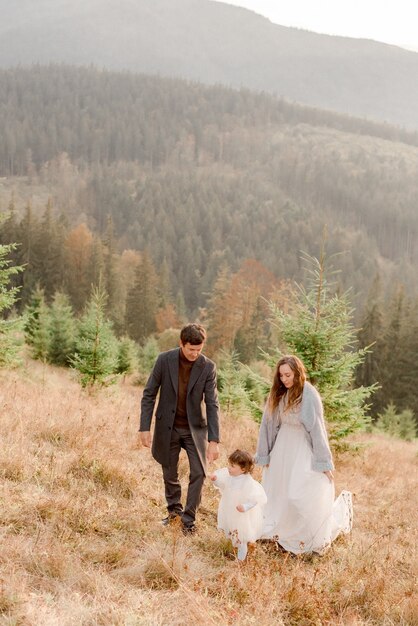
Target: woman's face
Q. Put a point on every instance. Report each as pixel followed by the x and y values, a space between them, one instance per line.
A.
pixel 287 375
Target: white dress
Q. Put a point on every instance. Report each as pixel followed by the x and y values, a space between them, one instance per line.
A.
pixel 301 513
pixel 243 489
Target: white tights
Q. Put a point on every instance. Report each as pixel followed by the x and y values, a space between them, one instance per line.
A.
pixel 242 551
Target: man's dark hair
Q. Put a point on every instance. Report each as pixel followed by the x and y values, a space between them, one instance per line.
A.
pixel 242 458
pixel 194 334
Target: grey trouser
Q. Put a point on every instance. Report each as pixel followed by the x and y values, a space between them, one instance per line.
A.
pixel 182 438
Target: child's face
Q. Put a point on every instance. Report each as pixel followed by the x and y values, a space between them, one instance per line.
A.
pixel 235 470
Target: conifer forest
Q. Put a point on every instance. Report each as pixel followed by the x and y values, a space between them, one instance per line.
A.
pixel 155 201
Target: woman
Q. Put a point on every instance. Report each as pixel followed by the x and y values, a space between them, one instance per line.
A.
pixel 298 470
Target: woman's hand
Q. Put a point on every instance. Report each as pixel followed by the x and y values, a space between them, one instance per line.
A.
pixel 240 508
pixel 329 475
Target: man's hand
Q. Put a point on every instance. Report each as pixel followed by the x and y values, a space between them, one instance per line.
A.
pixel 145 438
pixel 213 451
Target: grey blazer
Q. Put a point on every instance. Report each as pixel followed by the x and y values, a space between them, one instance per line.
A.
pixel 203 418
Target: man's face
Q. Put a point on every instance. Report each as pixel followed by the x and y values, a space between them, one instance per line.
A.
pixel 190 351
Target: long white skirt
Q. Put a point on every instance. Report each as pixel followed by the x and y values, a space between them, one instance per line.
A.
pixel 301 513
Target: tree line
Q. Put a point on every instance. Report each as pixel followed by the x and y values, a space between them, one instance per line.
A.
pixel 252 318
pixel 390 327
pixel 249 331
pixel 98 116
pixel 185 201
pixel 140 300
pixel 203 176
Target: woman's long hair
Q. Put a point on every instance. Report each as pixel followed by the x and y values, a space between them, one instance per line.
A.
pixel 278 390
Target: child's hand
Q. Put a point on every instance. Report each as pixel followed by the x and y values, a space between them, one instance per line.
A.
pixel 213 477
pixel 240 508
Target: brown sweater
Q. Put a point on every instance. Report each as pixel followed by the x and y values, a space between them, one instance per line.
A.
pixel 185 368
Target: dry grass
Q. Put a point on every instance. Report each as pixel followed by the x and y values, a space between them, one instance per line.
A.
pixel 81 542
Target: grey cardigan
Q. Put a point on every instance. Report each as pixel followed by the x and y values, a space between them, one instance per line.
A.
pixel 312 418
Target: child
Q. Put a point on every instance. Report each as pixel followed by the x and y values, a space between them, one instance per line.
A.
pixel 240 513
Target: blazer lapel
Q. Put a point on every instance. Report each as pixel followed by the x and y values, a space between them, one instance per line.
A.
pixel 195 373
pixel 173 367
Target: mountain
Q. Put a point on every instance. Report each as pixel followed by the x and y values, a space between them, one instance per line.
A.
pixel 204 176
pixel 215 43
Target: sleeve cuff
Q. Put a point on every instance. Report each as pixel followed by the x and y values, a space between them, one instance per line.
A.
pixel 248 505
pixel 262 460
pixel 322 466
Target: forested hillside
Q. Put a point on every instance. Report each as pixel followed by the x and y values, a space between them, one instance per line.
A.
pixel 186 198
pixel 214 43
pixel 204 176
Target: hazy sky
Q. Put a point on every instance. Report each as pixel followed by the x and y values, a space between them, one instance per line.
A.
pixel 390 21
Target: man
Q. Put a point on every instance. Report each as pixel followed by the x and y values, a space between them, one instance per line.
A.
pixel 184 377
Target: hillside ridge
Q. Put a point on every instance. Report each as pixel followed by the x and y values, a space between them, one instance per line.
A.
pixel 217 43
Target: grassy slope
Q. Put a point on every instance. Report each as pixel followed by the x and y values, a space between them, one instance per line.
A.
pixel 81 543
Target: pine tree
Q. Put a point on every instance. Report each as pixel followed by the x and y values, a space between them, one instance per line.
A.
pixel 110 275
pixel 62 330
pixel 142 301
pixel 96 263
pixel 391 351
pixel 388 420
pixel 10 233
pixel 164 286
pixel 406 367
pixel 9 344
pixel 370 335
pixel 252 338
pixel 221 322
pixel 407 428
pixel 28 232
pixel 49 249
pixel 9 228
pixel 232 393
pixel 147 356
pixel 78 250
pixel 396 424
pixel 180 306
pixel 127 357
pixel 41 335
pixel 35 308
pixel 241 389
pixel 319 330
pixel 95 351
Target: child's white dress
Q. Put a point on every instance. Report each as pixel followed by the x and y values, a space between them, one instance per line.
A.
pixel 243 489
